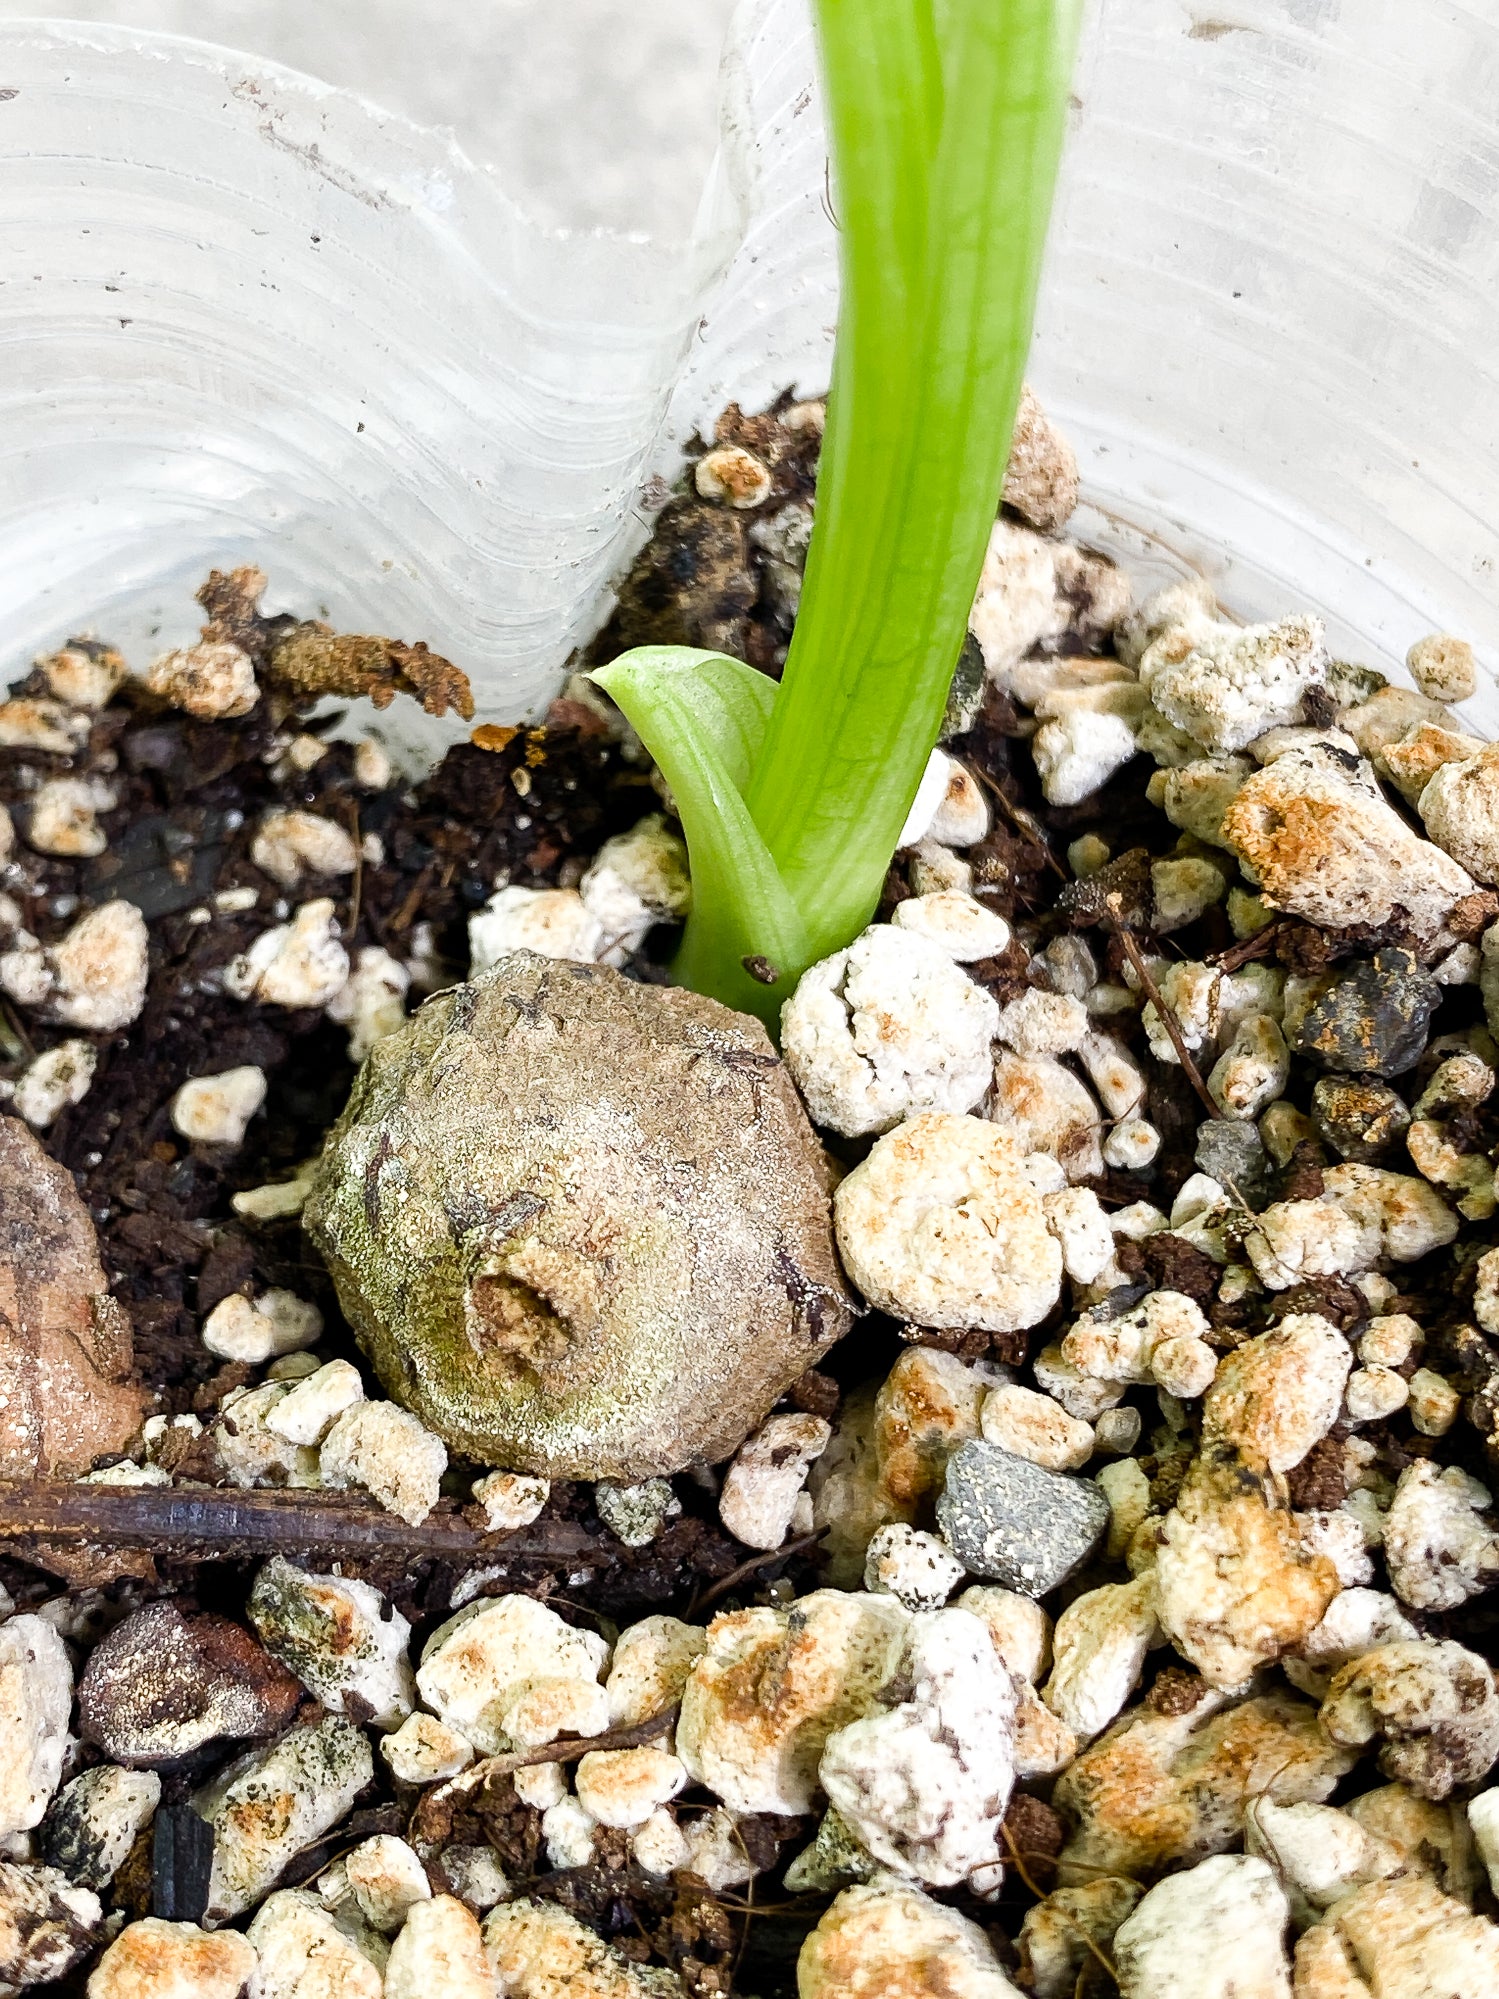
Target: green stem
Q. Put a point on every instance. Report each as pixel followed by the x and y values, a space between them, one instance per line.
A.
pixel 937 301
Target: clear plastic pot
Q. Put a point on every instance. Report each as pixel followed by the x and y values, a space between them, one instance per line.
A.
pixel 246 316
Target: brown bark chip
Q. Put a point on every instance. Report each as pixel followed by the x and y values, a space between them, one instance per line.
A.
pixel 65 1350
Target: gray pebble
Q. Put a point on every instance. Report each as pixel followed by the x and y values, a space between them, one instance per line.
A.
pixel 1009 1519
pixel 1234 1154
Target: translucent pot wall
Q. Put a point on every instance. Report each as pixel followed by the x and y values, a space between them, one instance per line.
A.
pixel 245 316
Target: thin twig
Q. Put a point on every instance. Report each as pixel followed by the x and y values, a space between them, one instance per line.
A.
pixel 357 893
pixel 570 1750
pixel 1167 1016
pixel 1251 947
pixel 735 1576
pixel 1067 1915
pixel 205 1522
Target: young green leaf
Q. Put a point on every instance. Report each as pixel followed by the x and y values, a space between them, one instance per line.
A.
pixel 704 716
pixel 946 119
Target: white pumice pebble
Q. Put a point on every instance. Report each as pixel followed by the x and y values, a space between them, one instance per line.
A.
pixel 1225 685
pixel 1138 1220
pixel 1389 1340
pixel 930 793
pixel 314 1404
pixel 387 1880
pixel 83 673
pixel 373 768
pixel 933 869
pixel 1098 1653
pixel 154 1959
pixel 1483 1817
pixel 538 1951
pixel 1034 1426
pixel 1442 667
pixel 1216 1931
pixel 1078 1221
pixel 475 1876
pixel 1042 1023
pixel 956 923
pixel 511 1499
pixel 424 1750
pixel 1295 1240
pixel 54 1082
pixel 660 1846
pixel 276 1322
pixel 373 1002
pixel 50 726
pixel 1318 1852
pixel 541 1786
pixel 389 1453
pixel 216 1110
pixel 940 1226
pixel 1113 1072
pixel 1019 1629
pixel 1184 1367
pixel 731 474
pixel 887 1940
pixel 93 978
pixel 36 1698
pixel 1182 888
pixel 1193 993
pixel 649 1669
pixel 554 922
pixel 1127 1490
pixel 962 815
pixel 1434 1402
pixel 292 845
pixel 1120 1349
pixel 1279 1393
pixel 1439 1548
pixel 568 1830
pixel 1079 751
pixel 1048 1109
pixel 250 1454
pixel 1373 1394
pixel 209 681
pixel 439 1954
pixel 1431 1702
pixel 94 1821
pixel 63 819
pixel 1131 1145
pixel 622 1787
pixel 885 1028
pixel 296 964
pixel 508 1668
pixel 924 1781
pixel 269 1804
pixel 1197 795
pixel 1357 860
pixel 300 1947
pixel 1253 1070
pixel 635 881
pixel 770 1468
pixel 1460 810
pixel 830 1664
pixel 916 1567
pixel 1085 1396
pixel 339 1636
